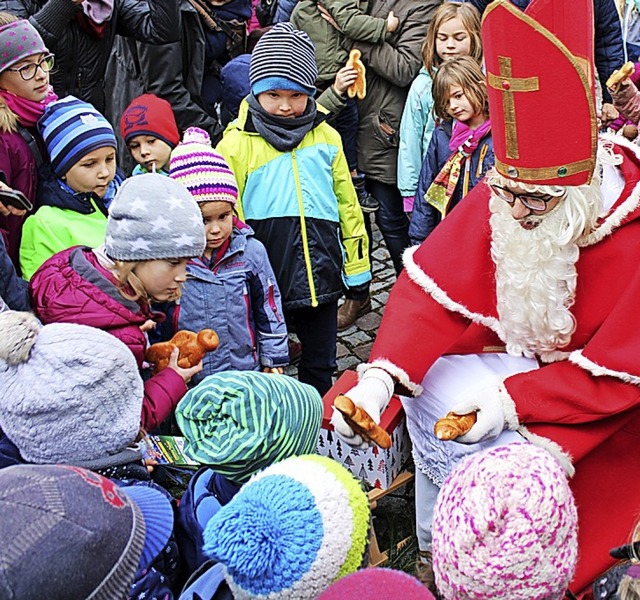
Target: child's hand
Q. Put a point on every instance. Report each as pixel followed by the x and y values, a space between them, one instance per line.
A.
pixel 186 374
pixel 150 463
pixel 148 325
pixel 344 78
pixel 608 114
pixel 392 22
pixel 273 370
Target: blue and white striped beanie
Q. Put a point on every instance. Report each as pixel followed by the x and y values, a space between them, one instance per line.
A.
pixel 72 128
pixel 291 531
pixel 240 422
pixel 284 59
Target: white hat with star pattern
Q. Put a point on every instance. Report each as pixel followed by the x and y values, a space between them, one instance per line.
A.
pixel 154 217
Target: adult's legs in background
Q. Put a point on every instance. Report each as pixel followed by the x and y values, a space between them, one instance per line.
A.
pixel 317 331
pixel 391 219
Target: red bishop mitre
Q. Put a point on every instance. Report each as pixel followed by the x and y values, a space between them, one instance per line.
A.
pixel 540 85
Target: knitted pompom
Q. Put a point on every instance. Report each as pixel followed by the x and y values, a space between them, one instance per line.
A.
pixel 291 531
pixel 505 526
pixel 19 334
pixel 195 135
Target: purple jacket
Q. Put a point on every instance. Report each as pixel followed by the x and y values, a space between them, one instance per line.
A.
pixel 71 287
pixel 20 172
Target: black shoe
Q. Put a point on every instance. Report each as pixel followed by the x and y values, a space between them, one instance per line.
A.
pixel 367 202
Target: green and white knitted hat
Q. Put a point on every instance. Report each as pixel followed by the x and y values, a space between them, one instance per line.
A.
pixel 240 422
pixel 291 531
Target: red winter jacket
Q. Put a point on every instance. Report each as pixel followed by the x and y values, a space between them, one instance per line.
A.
pixel 71 287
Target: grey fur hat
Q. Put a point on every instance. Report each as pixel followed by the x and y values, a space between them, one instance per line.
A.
pixel 154 217
pixel 68 393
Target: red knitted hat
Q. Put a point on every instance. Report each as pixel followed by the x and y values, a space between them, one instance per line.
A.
pixel 150 115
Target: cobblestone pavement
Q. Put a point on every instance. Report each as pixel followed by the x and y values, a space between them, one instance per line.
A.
pixel 354 343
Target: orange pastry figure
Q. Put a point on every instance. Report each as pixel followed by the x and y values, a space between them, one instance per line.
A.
pixel 193 346
pixel 359 86
pixel 361 422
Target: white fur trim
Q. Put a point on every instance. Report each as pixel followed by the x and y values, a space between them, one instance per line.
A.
pixel 579 359
pixel 396 372
pixel 418 276
pixel 613 220
pixel 564 458
pixel 508 408
pixel 554 356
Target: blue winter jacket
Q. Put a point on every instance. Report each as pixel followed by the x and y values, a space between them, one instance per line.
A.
pixel 608 48
pixel 425 217
pixel 416 129
pixel 239 299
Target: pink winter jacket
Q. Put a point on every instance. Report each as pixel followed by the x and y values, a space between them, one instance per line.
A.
pixel 71 287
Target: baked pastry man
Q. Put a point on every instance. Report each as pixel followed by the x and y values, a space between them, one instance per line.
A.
pixel 532 321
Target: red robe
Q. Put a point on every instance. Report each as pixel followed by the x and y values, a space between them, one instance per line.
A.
pixel 444 302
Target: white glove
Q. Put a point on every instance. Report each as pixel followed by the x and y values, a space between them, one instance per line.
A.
pixel 490 415
pixel 372 393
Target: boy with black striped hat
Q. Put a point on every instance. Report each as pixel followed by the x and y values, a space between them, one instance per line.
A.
pixel 295 191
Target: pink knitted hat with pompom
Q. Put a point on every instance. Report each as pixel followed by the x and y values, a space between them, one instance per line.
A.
pixel 204 172
pixel 505 526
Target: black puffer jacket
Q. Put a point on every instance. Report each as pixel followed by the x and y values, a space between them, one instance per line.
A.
pixel 81 55
pixel 608 49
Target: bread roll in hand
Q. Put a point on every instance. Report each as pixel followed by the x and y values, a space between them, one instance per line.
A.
pixel 192 346
pixel 453 426
pixel 617 77
pixel 361 422
pixel 359 86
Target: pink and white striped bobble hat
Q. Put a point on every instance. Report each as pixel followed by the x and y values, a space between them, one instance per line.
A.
pixel 505 526
pixel 202 170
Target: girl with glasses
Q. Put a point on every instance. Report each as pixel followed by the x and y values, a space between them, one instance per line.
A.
pixel 25 91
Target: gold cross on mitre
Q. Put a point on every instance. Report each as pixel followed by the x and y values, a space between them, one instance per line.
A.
pixel 509 85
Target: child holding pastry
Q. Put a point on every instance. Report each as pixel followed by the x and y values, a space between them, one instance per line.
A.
pixel 625 94
pixel 231 287
pixel 154 227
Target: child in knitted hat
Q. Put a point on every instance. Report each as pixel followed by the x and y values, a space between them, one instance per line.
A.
pixel 24 93
pixel 238 423
pixel 75 192
pixel 231 288
pixel 71 394
pixel 295 192
pixel 505 526
pixel 70 533
pixel 154 228
pixel 148 127
pixel 291 531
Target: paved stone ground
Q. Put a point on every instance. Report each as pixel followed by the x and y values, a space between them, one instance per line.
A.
pixel 394 514
pixel 354 343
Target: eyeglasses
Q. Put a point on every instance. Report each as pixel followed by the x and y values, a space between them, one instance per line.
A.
pixel 29 71
pixel 537 203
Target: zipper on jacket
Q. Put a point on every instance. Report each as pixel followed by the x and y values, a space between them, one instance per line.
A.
pixel 483 154
pixel 247 306
pixel 271 298
pixel 303 232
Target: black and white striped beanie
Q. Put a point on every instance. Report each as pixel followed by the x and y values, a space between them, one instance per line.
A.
pixel 284 58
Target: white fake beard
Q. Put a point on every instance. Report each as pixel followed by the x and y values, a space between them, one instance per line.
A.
pixel 535 271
